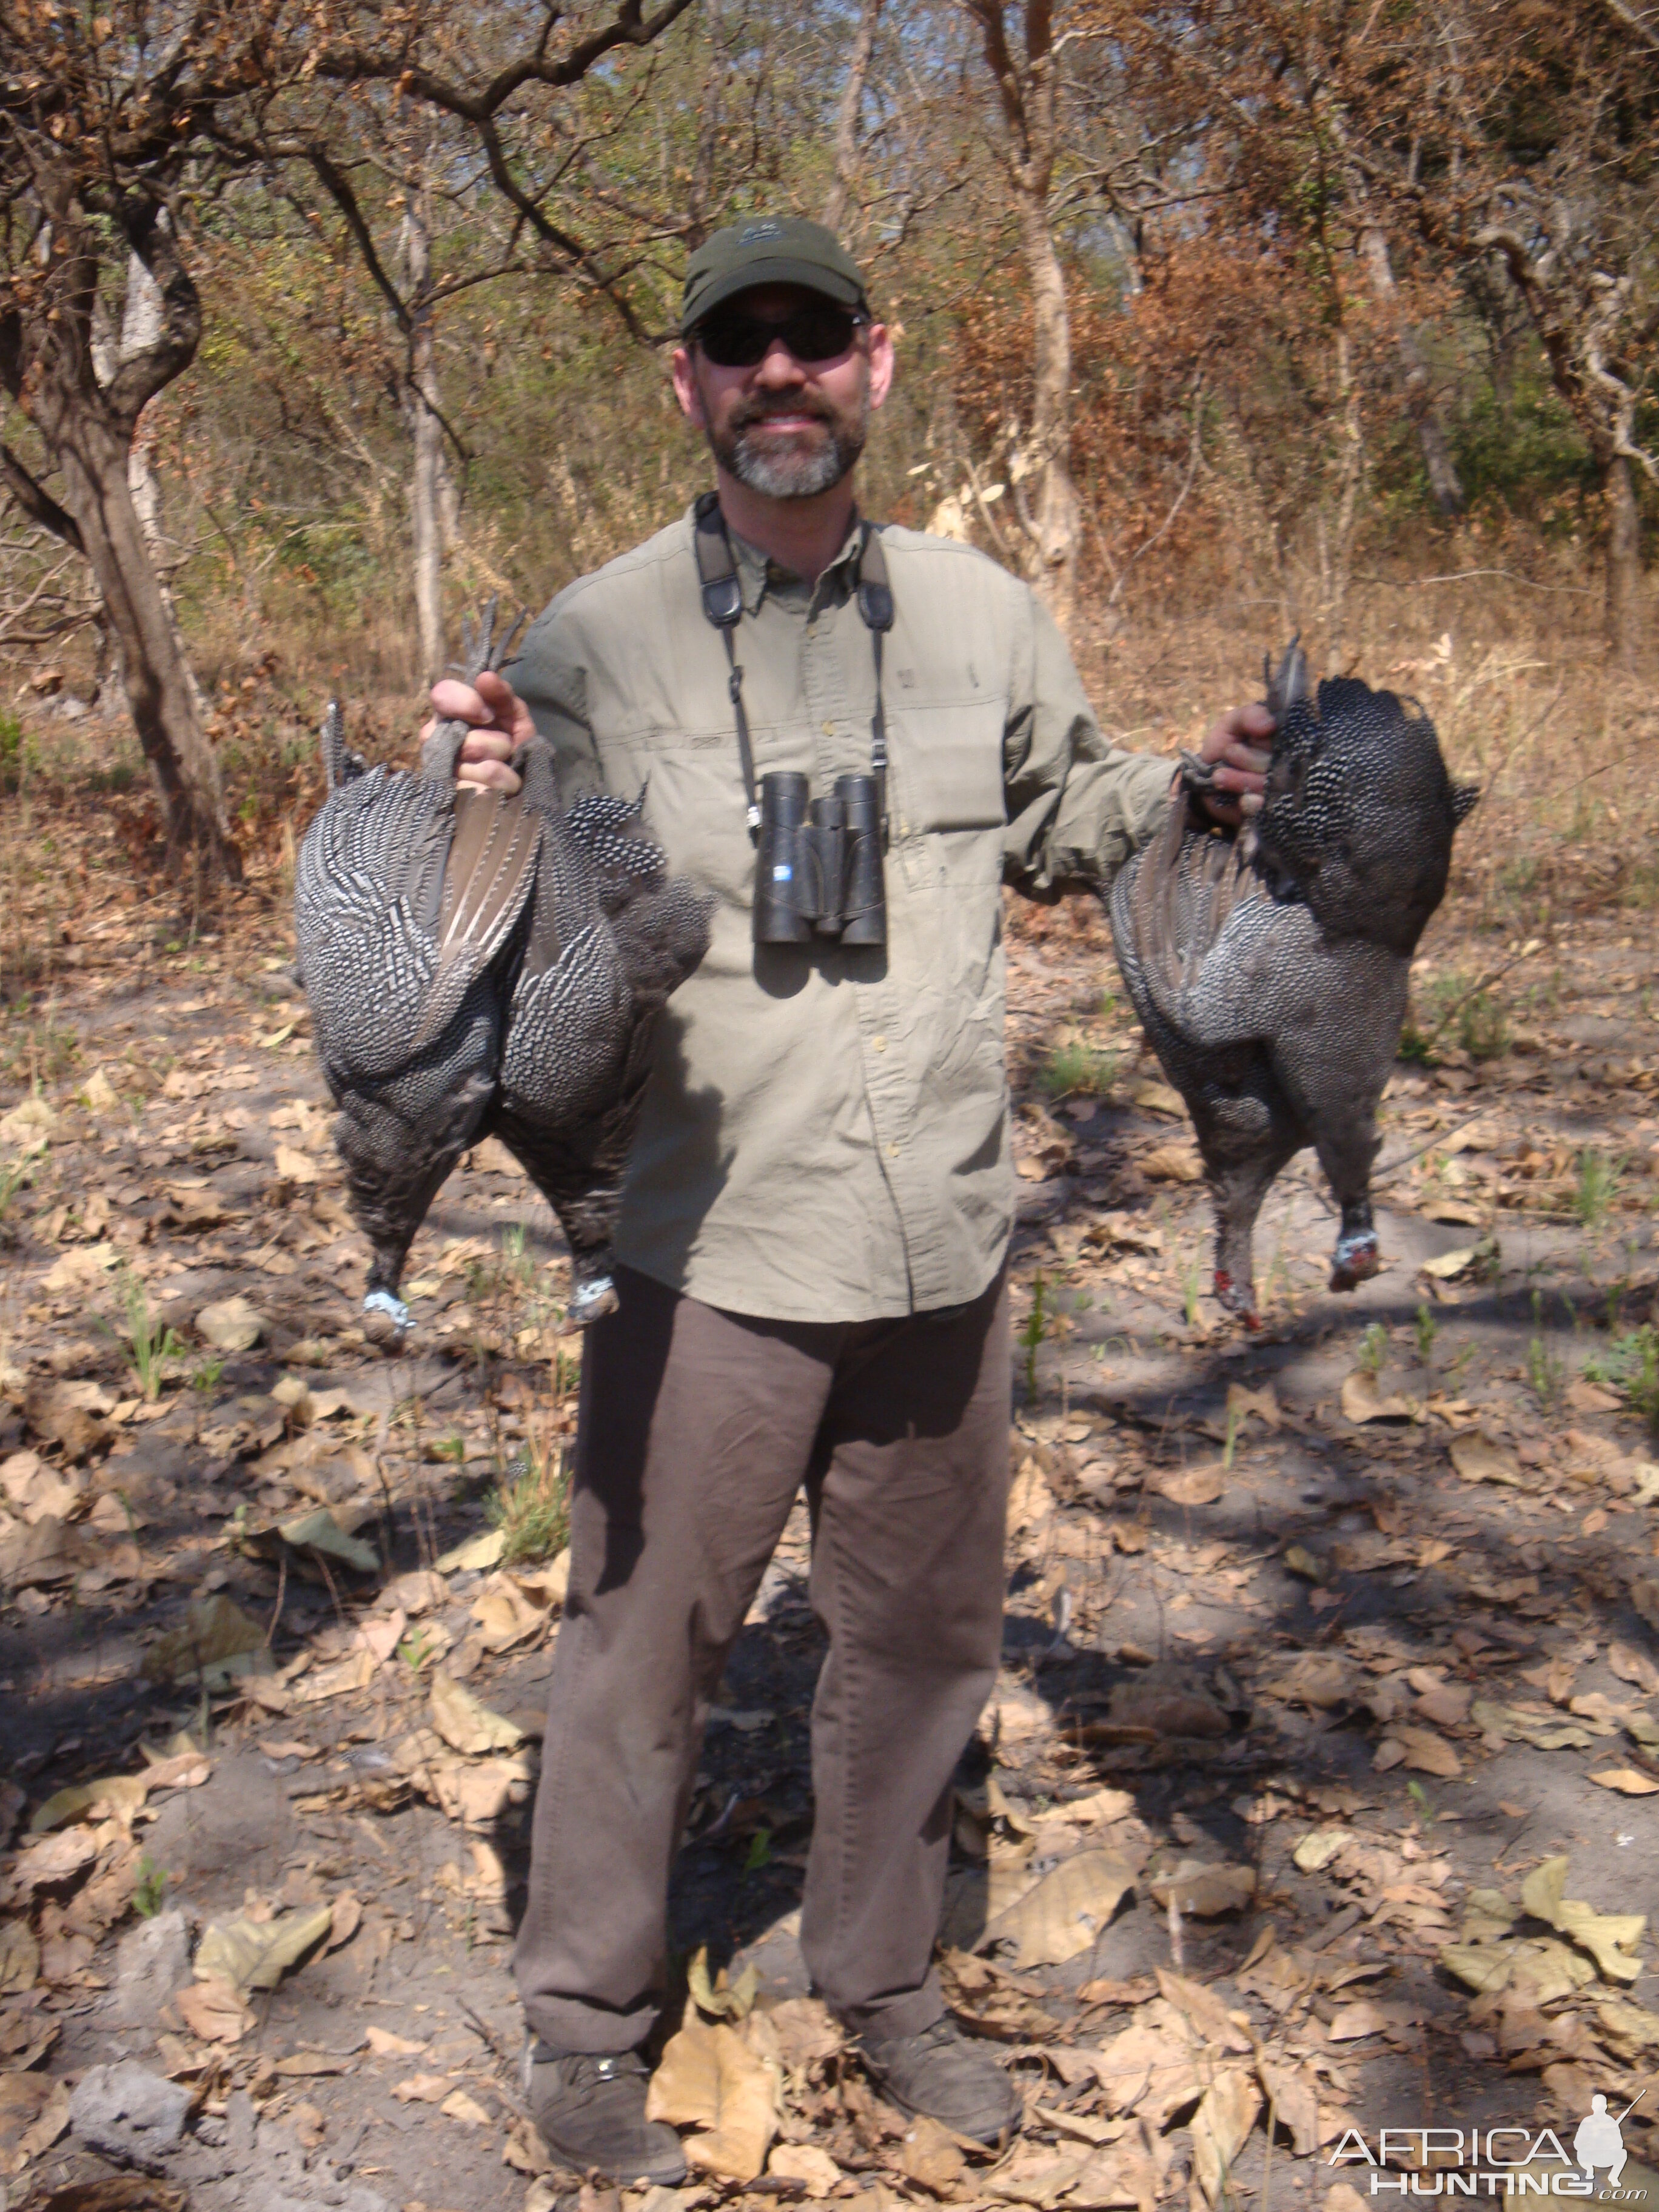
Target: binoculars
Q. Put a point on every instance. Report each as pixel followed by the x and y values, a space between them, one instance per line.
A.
pixel 819 870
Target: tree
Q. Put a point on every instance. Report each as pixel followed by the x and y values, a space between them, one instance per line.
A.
pixel 1024 68
pixel 114 124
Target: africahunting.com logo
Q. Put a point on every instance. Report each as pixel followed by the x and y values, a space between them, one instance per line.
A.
pixel 1497 2161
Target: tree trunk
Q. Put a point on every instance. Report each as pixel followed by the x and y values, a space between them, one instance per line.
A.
pixel 846 117
pixel 1049 510
pixel 1443 481
pixel 430 495
pixel 1624 560
pixel 160 691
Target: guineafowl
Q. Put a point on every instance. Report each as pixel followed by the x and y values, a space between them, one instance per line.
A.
pixel 1270 971
pixel 478 964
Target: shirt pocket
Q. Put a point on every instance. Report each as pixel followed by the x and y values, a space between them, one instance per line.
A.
pixel 952 810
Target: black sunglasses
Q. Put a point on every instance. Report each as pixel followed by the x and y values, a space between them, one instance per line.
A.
pixel 822 332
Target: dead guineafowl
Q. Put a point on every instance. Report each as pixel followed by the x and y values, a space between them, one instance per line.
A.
pixel 483 965
pixel 1270 971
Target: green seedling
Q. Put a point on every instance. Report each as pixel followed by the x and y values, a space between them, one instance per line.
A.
pixel 1036 1329
pixel 151 1349
pixel 1425 1329
pixel 1374 1349
pixel 759 1852
pixel 1597 1187
pixel 1079 1071
pixel 531 1507
pixel 149 1891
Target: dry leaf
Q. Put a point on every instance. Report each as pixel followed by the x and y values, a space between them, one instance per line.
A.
pixel 805 2162
pixel 505 1616
pixel 805 2030
pixel 1293 2102
pixel 215 1640
pixel 213 2011
pixel 1204 2012
pixel 114 1796
pixel 1626 1781
pixel 1607 1936
pixel 929 2155
pixel 1426 1751
pixel 709 2079
pixel 1204 1889
pixel 354 1673
pixel 459 2106
pixel 1065 1912
pixel 1634 1667
pixel 254 1955
pixel 465 1724
pixel 1220 2126
pixel 1147 2070
pixel 1362 1401
pixel 1319 1847
pixel 1172 1163
pixel 345 1918
pixel 20 1957
pixel 385 2045
pixel 423 2089
pixel 473 1555
pixel 1198 1486
pixel 230 1325
pixel 1477 1459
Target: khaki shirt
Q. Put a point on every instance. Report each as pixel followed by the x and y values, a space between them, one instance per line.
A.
pixel 825 1134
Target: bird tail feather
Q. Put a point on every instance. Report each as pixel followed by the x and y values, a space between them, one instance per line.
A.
pixel 490 872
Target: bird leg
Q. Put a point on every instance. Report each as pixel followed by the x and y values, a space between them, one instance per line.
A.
pixel 1348 1144
pixel 1238 1189
pixel 480 655
pixel 1356 1254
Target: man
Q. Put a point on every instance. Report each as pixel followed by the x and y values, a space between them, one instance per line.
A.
pixel 815 1225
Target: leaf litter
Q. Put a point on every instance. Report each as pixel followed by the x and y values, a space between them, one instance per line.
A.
pixel 1174 1904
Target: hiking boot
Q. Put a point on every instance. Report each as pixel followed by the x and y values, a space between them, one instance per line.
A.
pixel 941 2075
pixel 589 2108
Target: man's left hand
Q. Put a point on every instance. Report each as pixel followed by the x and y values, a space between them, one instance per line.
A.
pixel 1237 744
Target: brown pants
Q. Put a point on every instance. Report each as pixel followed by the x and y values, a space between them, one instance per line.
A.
pixel 697 1429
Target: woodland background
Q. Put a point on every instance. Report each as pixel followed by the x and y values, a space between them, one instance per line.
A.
pixel 317 323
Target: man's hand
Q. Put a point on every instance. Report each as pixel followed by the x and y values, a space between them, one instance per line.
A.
pixel 501 724
pixel 1237 744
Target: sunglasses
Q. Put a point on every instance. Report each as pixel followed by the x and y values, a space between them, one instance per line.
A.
pixel 822 332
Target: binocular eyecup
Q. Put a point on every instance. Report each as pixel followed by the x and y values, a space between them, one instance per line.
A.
pixel 818 866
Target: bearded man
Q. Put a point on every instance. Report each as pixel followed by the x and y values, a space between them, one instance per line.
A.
pixel 814 1229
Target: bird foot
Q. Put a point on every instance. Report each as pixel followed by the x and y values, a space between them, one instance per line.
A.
pixel 1354 1261
pixel 1237 1298
pixel 590 1300
pixel 386 1319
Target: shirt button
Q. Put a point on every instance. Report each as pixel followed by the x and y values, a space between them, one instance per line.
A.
pixel 829 729
pixel 892 1151
pixel 878 1044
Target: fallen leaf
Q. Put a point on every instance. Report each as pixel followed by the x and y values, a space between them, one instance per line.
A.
pixel 385 2045
pixel 213 2011
pixel 1301 1561
pixel 1147 2070
pixel 1204 2012
pixel 806 2030
pixel 505 1616
pixel 1319 1847
pixel 255 1955
pixel 1545 1732
pixel 305 2065
pixel 708 2078
pixel 1364 1400
pixel 319 1531
pixel 1155 1098
pixel 35 2111
pixel 1064 1913
pixel 19 1957
pixel 465 1724
pixel 1292 2101
pixel 230 1325
pixel 345 1918
pixel 1172 1163
pixel 1607 1936
pixel 114 1796
pixel 1426 1752
pixel 1198 1486
pixel 1262 1405
pixel 423 2089
pixel 217 1640
pixel 1477 1459
pixel 459 2106
pixel 1206 1890
pixel 1223 2120
pixel 805 2162
pixel 1447 1265
pixel 1627 1781
pixel 473 1555
pixel 353 1673
pixel 295 1167
pixel 929 2156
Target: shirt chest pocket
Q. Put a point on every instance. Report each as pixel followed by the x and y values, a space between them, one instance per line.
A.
pixel 948 766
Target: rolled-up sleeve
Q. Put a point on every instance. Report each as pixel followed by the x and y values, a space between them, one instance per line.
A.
pixel 1076 807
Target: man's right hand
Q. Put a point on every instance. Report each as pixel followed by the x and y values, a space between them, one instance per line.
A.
pixel 501 724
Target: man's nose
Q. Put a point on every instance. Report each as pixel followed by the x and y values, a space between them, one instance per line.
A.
pixel 778 367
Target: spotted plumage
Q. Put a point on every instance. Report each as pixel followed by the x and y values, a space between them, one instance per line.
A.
pixel 478 964
pixel 1270 971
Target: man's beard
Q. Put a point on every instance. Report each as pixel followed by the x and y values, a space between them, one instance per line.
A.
pixel 794 468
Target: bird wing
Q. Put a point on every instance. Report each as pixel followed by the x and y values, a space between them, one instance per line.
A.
pixel 488 877
pixel 1183 911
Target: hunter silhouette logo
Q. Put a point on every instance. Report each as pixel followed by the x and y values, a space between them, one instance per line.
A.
pixel 1600 2140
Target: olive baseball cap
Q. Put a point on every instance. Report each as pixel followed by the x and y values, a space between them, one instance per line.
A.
pixel 771 249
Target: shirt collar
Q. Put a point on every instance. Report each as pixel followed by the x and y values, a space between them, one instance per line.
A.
pixel 758 574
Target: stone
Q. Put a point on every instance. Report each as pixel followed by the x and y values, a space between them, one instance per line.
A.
pixel 129 2115
pixel 151 1961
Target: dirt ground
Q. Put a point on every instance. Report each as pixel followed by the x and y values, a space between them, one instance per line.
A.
pixel 1324 1646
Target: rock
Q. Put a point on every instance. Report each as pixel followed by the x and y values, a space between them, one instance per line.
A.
pixel 151 1961
pixel 130 2115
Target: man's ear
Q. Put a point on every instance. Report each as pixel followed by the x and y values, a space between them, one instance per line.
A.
pixel 684 369
pixel 881 362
